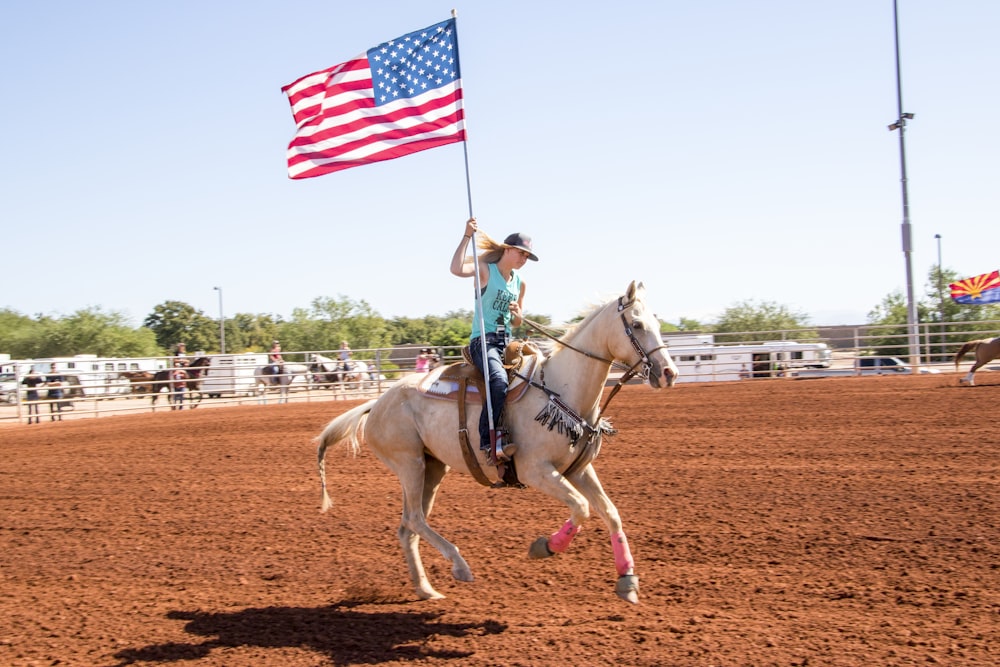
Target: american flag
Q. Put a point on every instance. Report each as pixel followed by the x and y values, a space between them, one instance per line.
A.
pixel 400 97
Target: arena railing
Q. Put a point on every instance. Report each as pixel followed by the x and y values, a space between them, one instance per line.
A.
pixel 99 387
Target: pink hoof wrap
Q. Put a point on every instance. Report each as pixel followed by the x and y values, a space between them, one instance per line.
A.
pixel 623 557
pixel 559 540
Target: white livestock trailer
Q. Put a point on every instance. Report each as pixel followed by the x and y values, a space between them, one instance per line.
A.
pixel 708 362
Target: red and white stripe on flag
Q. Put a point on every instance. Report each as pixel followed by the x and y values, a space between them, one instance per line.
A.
pixel 401 97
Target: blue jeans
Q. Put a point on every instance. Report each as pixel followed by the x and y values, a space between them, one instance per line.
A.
pixel 497 378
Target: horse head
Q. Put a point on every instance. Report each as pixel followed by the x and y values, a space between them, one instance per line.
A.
pixel 316 364
pixel 640 345
pixel 198 366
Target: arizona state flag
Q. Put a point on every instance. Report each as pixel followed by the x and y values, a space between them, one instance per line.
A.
pixel 978 289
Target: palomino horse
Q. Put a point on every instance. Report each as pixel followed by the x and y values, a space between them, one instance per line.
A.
pixel 987 349
pixel 327 372
pixel 161 380
pixel 266 378
pixel 556 424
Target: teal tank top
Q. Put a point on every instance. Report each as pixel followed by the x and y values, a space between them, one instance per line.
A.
pixel 497 296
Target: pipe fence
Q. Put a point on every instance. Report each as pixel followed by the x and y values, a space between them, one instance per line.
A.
pixel 97 387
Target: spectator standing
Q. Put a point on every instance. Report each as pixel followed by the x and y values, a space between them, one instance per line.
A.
pixel 178 385
pixel 31 381
pixel 54 384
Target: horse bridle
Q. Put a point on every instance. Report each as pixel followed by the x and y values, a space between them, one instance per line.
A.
pixel 629 372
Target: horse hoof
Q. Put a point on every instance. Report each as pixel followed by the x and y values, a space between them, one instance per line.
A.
pixel 462 573
pixel 429 594
pixel 540 548
pixel 627 588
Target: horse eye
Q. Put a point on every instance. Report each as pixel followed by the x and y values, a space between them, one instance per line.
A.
pixel 637 324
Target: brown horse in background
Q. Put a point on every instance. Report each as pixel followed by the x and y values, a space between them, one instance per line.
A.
pixel 987 349
pixel 161 379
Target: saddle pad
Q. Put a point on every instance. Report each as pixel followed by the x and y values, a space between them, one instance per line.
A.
pixel 444 382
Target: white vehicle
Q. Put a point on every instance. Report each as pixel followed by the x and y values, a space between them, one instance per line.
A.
pixel 722 363
pixel 92 376
pixel 868 365
pixel 8 387
pixel 876 365
pixel 232 375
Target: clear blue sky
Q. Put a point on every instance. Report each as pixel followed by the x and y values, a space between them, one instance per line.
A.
pixel 720 151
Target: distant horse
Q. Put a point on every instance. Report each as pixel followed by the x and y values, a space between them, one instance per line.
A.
pixel 194 370
pixel 266 378
pixel 327 372
pixel 140 382
pixel 556 424
pixel 987 349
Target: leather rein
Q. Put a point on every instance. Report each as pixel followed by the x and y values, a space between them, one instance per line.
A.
pixel 629 372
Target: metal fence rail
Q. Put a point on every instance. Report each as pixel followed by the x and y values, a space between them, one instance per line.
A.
pixel 100 387
pixel 95 387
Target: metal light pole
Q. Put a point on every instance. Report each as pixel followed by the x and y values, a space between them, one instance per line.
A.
pixel 940 278
pixel 222 324
pixel 940 297
pixel 900 124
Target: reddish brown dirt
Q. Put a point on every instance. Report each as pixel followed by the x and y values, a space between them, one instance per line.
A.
pixel 842 521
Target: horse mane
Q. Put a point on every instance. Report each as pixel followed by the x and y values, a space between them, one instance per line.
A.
pixel 548 345
pixel 571 332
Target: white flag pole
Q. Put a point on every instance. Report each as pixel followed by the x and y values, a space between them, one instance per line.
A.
pixel 494 445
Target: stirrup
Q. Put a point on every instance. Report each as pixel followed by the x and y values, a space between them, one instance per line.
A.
pixel 501 451
pixel 504 455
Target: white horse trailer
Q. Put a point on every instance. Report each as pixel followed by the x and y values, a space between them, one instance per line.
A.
pixel 723 363
pixel 232 375
pixel 92 376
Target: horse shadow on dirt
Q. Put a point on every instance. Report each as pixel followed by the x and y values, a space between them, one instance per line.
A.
pixel 343 635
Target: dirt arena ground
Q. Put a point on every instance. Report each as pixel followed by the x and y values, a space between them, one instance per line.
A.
pixel 836 521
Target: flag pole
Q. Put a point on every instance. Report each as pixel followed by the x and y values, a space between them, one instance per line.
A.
pixel 494 444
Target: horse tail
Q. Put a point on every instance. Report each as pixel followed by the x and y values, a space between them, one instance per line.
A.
pixel 967 347
pixel 345 427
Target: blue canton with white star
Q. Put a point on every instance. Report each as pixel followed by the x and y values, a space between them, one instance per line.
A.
pixel 414 63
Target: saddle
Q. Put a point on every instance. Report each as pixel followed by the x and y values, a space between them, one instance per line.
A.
pixel 462 381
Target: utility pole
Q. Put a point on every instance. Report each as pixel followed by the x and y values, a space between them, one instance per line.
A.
pixel 900 124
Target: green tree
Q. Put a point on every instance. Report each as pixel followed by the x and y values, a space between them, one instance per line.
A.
pixel 687 324
pixel 889 335
pixel 87 331
pixel 328 321
pixel 93 331
pixel 177 322
pixel 747 320
pixel 252 332
pixel 19 334
pixel 416 331
pixel 524 331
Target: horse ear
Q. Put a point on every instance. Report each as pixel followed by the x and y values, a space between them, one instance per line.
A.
pixel 630 291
